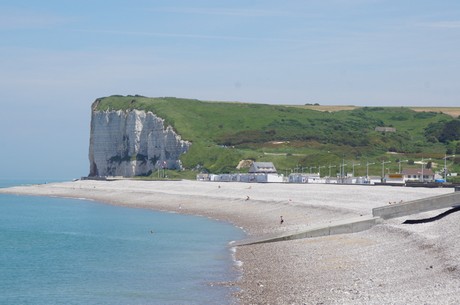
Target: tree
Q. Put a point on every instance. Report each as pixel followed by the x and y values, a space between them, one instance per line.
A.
pixel 450 132
pixel 429 164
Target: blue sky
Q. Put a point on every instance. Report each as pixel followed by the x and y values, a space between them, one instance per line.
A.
pixel 57 57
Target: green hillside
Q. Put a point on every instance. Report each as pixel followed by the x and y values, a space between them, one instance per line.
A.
pixel 295 138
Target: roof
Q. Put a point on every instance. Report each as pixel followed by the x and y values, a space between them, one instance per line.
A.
pixel 262 167
pixel 417 171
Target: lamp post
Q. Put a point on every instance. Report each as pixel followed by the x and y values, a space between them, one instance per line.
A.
pixel 353 166
pixel 383 168
pixel 367 169
pixel 421 177
pixel 399 164
pixel 319 170
pixel 342 171
pixel 330 166
pixel 423 165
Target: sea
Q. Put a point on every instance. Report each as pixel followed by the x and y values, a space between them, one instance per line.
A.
pixel 70 251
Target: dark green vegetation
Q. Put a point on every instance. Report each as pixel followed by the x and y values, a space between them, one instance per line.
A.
pixel 294 138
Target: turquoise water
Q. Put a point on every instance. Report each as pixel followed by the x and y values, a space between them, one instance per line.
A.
pixel 66 251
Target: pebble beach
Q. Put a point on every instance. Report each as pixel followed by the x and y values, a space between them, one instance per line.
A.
pixel 391 263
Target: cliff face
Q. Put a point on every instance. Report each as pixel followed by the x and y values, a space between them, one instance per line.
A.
pixel 129 143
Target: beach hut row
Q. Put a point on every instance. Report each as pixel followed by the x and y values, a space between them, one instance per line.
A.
pixel 248 178
pixel 265 172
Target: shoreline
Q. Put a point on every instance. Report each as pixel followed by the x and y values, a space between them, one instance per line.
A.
pixel 388 264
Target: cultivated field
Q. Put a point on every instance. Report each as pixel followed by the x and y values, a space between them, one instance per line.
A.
pixel 452 111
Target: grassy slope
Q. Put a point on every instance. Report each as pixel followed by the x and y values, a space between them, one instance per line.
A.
pixel 224 133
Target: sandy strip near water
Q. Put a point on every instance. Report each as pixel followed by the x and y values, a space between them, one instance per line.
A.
pixel 391 263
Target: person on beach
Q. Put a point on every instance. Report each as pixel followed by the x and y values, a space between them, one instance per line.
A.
pixel 281 220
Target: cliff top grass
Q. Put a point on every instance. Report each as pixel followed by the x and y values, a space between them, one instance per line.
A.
pixel 223 133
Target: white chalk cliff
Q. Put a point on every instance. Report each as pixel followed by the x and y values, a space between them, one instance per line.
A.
pixel 131 143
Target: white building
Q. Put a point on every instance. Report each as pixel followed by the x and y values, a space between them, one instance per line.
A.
pixel 418 174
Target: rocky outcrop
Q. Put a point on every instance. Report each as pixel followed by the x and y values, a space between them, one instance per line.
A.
pixel 133 142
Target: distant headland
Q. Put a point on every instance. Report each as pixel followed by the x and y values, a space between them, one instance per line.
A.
pixel 140 136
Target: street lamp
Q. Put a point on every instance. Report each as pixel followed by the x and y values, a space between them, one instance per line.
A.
pixel 423 163
pixel 383 168
pixel 330 166
pixel 399 163
pixel 367 169
pixel 319 170
pixel 353 166
pixel 342 170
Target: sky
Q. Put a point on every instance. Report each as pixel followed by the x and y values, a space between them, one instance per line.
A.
pixel 57 57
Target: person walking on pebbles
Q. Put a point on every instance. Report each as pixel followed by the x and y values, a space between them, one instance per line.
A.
pixel 281 220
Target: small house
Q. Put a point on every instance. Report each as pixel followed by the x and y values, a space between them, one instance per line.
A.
pixel 262 168
pixel 417 174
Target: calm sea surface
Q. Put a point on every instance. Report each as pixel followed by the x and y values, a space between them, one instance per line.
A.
pixel 65 251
